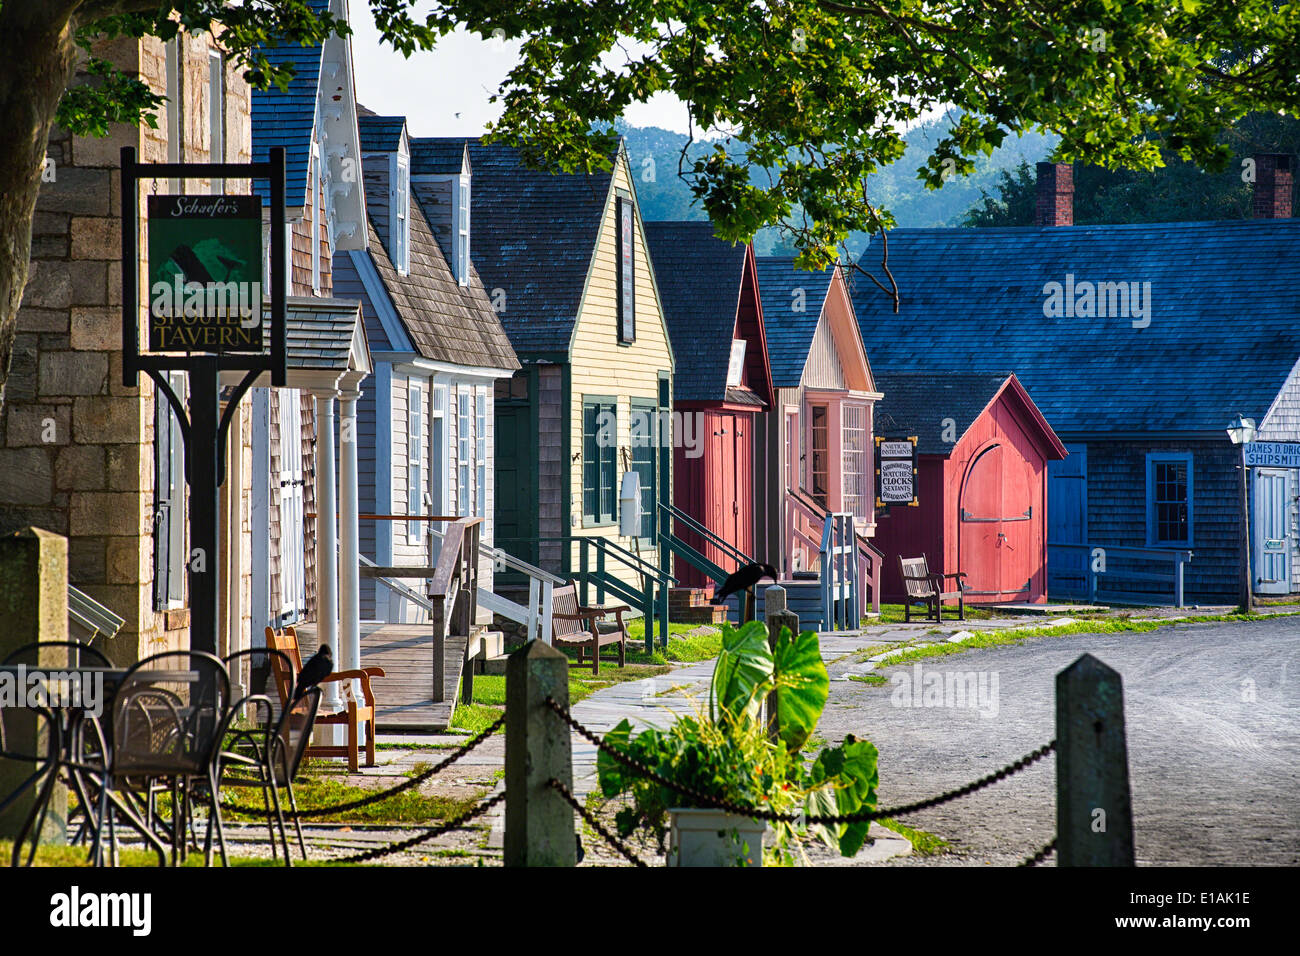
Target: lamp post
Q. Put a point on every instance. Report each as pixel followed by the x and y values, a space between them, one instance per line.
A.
pixel 1241 431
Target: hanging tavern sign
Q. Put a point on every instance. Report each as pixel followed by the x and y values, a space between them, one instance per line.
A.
pixel 205 274
pixel 896 471
pixel 203 300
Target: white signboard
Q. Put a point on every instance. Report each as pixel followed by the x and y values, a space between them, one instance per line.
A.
pixel 1272 454
pixel 896 449
pixel 736 367
pixel 896 481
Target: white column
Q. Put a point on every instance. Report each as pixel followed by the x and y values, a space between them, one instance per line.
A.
pixel 349 548
pixel 327 555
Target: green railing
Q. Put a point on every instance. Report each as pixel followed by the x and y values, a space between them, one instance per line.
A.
pixel 692 555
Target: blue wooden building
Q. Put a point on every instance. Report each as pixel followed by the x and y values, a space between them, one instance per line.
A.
pixel 1140 343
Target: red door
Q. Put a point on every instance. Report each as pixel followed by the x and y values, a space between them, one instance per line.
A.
pixel 996 526
pixel 979 525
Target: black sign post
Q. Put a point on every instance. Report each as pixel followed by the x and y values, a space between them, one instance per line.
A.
pixel 209 351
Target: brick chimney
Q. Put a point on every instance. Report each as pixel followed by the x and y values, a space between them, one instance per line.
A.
pixel 1274 184
pixel 1054 204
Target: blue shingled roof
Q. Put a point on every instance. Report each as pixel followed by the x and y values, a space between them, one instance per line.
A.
pixel 534 234
pixel 920 404
pixel 1224 318
pixel 288 120
pixel 783 289
pixel 380 134
pixel 699 278
pixel 438 157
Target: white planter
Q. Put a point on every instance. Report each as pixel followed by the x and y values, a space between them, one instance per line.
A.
pixel 714 838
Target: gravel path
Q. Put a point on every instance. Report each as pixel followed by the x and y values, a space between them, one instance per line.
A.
pixel 1213 735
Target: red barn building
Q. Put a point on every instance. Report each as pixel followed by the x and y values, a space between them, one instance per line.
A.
pixel 982 449
pixel 721 387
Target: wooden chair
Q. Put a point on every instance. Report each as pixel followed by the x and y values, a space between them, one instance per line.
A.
pixel 575 625
pixel 286 642
pixel 926 587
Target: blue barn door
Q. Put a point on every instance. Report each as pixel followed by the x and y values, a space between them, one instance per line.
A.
pixel 1067 524
pixel 1272 532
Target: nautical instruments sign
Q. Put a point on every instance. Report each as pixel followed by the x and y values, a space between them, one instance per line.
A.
pixel 896 471
pixel 205 273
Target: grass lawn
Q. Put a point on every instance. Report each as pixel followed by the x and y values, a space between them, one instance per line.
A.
pixel 893 614
pixel 686 643
pixel 62 856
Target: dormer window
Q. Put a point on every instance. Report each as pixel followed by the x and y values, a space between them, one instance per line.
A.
pixel 462 231
pixel 400 223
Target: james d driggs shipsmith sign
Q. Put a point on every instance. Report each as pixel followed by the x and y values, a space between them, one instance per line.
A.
pixel 205 273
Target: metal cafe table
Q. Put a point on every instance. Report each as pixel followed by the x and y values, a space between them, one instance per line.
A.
pixel 66 741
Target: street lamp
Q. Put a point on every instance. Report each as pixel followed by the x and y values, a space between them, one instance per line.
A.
pixel 1241 431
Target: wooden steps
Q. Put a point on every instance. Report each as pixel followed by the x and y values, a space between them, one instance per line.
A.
pixel 691 606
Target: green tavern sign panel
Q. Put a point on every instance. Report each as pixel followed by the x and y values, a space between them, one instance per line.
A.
pixel 205 273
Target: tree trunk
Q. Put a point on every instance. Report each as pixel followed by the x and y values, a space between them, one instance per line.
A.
pixel 37 58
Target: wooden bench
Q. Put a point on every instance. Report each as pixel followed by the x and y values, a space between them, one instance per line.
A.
pixel 926 587
pixel 578 626
pixel 286 642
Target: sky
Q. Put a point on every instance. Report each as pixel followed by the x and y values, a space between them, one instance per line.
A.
pixel 445 92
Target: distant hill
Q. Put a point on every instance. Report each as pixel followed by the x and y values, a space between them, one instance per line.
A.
pixel 655 152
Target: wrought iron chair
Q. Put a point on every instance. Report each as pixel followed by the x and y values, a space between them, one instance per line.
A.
pixel 74 741
pixel 269 754
pixel 170 715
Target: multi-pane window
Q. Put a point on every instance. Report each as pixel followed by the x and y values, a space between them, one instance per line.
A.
pixel 169 500
pixel 401 206
pixel 462 232
pixel 216 114
pixel 414 457
pixel 599 464
pixel 438 450
pixel 644 422
pixel 480 450
pixel 626 272
pixel 1169 499
pixel 856 499
pixel 819 425
pixel 463 436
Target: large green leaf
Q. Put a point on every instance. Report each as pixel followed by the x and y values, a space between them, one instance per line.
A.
pixel 743 673
pixel 802 686
pixel 849 772
pixel 609 771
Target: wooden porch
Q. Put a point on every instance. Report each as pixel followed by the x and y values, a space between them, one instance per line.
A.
pixel 404 698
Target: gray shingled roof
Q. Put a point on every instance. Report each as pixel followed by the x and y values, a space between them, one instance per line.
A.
pixel 533 237
pixel 318 333
pixel 699 278
pixel 447 322
pixel 918 403
pixel 438 157
pixel 380 134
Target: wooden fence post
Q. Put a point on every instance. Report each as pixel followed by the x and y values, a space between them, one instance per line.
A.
pixel 777 616
pixel 1094 811
pixel 33 607
pixel 539 821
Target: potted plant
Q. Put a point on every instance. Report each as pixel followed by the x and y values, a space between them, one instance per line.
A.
pixel 725 751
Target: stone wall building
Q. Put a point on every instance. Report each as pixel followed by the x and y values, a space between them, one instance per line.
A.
pixel 77 448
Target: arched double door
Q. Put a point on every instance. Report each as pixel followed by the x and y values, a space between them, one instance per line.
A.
pixel 997 529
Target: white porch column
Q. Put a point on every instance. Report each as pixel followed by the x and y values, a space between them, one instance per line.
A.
pixel 327 556
pixel 349 542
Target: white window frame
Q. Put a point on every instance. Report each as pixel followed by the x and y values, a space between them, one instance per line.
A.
pixel 414 458
pixel 317 181
pixel 462 231
pixel 217 114
pixel 463 435
pixel 293 593
pixel 400 214
pixel 480 451
pixel 438 449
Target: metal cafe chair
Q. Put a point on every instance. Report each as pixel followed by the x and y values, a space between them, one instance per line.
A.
pixel 269 754
pixel 74 743
pixel 170 714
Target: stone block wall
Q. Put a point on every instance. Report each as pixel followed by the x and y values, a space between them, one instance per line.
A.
pixel 76 446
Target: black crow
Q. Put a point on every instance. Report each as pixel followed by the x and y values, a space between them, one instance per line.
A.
pixel 743 580
pixel 317 668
